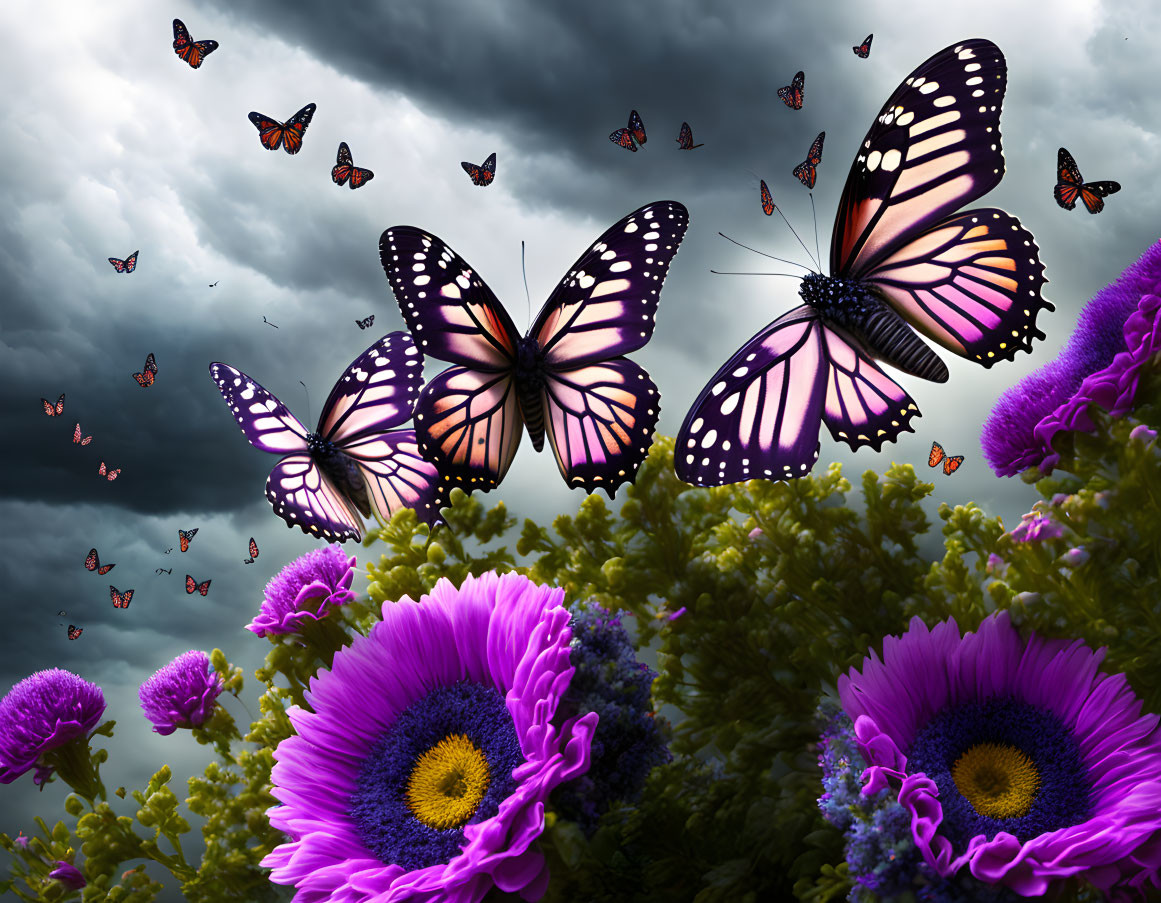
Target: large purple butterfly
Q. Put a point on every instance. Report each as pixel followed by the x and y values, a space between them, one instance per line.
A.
pixel 567 378
pixel 901 257
pixel 353 463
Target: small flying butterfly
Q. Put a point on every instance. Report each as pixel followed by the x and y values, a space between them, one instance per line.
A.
pixel 192 585
pixel 864 49
pixel 75 632
pixel 685 138
pixel 120 600
pixel 483 174
pixel 149 371
pixel 128 265
pixel 1070 185
pixel 366 322
pixel 937 454
pixel 629 138
pixel 77 440
pixel 805 171
pixel 93 563
pixel 253 552
pixel 110 475
pixel 184 537
pixel 794 93
pixel 51 409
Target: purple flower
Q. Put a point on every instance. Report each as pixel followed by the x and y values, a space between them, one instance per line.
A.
pixel 1035 527
pixel 68 875
pixel 308 587
pixel 182 694
pixel 995 564
pixel 1116 335
pixel 44 711
pixel 423 770
pixel 1017 760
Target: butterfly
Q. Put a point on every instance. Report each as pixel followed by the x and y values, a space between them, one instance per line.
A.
pixel 51 409
pixel 767 200
pixel 366 322
pixel 481 175
pixel 145 378
pixel 128 265
pixel 1070 185
pixel 950 464
pixel 75 632
pixel 634 133
pixel 253 552
pixel 184 537
pixel 287 135
pixel 120 600
pixel 193 52
pixel 795 92
pixel 111 475
pixel 901 259
pixel 345 169
pixel 864 49
pixel 567 378
pixel 805 171
pixel 93 563
pixel 77 440
pixel 685 138
pixel 192 586
pixel 353 463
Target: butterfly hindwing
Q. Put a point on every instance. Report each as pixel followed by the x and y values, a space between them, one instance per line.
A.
pixel 301 495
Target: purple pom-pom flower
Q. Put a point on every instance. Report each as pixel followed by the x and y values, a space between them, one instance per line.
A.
pixel 68 875
pixel 44 712
pixel 182 694
pixel 306 589
pixel 1017 760
pixel 423 769
pixel 1116 337
pixel 1036 527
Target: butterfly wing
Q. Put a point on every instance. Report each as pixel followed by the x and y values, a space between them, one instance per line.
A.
pixel 295 128
pixel 1092 192
pixel 951 465
pixel 253 548
pixel 793 94
pixel 75 632
pixel 270 131
pixel 605 305
pixel 1068 180
pixel 971 283
pixel 454 314
pixel 204 588
pixel 685 137
pixel 131 262
pixel 264 420
pixel 488 170
pixel 759 416
pixel 767 200
pixel 396 474
pixel 599 419
pixel 805 171
pixel 637 127
pixel 623 138
pixel 360 177
pixel 468 423
pixel 935 455
pixel 864 49
pixel 118 264
pixel 91 560
pixel 303 496
pixel 341 171
pixel 112 475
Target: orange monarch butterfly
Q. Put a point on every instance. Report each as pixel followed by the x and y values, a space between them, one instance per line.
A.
pixel 184 537
pixel 287 135
pixel 51 409
pixel 1070 185
pixel 111 475
pixel 120 600
pixel 483 174
pixel 345 169
pixel 128 265
pixel 634 133
pixel 685 138
pixel 804 171
pixel 77 440
pixel 253 552
pixel 767 200
pixel 192 585
pixel 75 632
pixel 795 92
pixel 149 371
pixel 193 52
pixel 863 50
pixel 93 563
pixel 937 454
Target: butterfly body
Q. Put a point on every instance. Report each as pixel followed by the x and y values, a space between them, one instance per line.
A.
pixel 903 263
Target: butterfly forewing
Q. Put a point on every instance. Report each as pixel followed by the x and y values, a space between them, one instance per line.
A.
pixel 767 200
pixel 972 283
pixel 597 417
pixel 606 304
pixel 376 392
pixel 934 147
pixel 265 421
pixel 451 311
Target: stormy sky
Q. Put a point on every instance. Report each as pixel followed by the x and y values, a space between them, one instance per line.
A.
pixel 109 143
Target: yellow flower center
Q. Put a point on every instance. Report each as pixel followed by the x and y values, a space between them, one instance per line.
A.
pixel 448 783
pixel 999 781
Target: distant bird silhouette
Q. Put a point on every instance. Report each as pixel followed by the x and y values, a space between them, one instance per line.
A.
pixel 212 284
pixel 267 322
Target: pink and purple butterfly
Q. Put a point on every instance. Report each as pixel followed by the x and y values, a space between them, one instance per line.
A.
pixel 353 464
pixel 567 378
pixel 901 259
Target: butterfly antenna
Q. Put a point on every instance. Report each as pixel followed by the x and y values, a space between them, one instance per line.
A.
pixel 309 419
pixel 814 216
pixel 795 234
pixel 763 253
pixel 728 273
pixel 527 297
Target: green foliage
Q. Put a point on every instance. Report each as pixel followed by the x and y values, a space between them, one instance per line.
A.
pixel 784 586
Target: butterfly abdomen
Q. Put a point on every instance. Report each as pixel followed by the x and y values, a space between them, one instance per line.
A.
pixel 529 384
pixel 857 309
